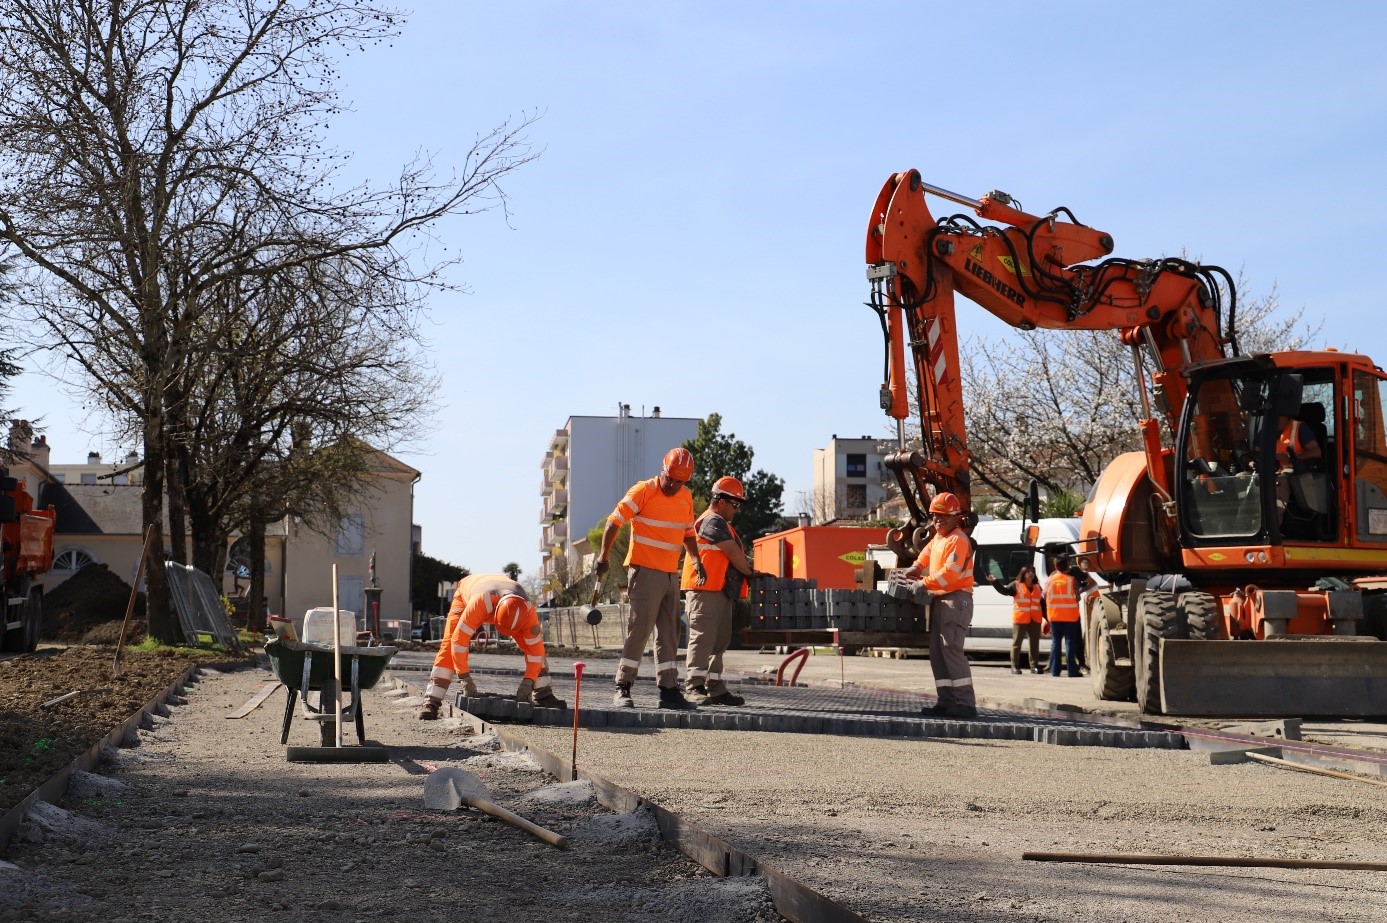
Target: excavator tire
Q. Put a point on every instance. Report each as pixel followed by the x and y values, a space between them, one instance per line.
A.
pixel 1200 612
pixel 1112 682
pixel 1158 616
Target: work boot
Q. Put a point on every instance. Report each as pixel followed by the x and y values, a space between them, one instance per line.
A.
pixel 725 697
pixel 430 710
pixel 936 710
pixel 674 699
pixel 622 699
pixel 1016 670
pixel 696 694
pixel 545 698
pixel 960 711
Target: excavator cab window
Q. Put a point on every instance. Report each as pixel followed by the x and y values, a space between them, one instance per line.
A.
pixel 1221 490
pixel 1369 456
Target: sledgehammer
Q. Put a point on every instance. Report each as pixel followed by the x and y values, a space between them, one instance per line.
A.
pixel 594 614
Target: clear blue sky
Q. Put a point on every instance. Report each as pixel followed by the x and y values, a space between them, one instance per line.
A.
pixel 692 236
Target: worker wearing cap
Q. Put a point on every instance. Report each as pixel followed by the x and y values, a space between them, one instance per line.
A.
pixel 661 513
pixel 489 599
pixel 945 569
pixel 710 601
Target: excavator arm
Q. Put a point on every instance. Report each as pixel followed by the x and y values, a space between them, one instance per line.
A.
pixel 1032 272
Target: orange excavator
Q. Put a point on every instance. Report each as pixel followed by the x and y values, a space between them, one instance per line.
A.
pixel 1245 546
pixel 26 554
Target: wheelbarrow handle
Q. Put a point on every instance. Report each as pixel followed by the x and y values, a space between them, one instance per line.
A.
pixel 515 820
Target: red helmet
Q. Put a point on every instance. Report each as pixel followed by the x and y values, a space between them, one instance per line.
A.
pixel 947 504
pixel 728 487
pixel 679 464
pixel 511 612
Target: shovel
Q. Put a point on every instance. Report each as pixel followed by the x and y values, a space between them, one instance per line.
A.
pixel 450 788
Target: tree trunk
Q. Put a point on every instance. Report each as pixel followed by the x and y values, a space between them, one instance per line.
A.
pixel 178 506
pixel 256 599
pixel 163 625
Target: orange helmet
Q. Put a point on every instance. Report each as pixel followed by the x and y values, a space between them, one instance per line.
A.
pixel 947 504
pixel 728 486
pixel 679 464
pixel 511 612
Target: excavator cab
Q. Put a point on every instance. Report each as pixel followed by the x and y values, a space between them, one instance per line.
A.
pixel 1256 457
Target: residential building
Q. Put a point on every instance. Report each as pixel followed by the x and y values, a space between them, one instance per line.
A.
pixel 99 520
pixel 847 479
pixel 590 464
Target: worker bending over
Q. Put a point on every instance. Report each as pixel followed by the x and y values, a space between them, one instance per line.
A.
pixel 497 600
pixel 945 569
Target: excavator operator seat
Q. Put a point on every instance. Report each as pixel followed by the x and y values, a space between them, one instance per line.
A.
pixel 1313 416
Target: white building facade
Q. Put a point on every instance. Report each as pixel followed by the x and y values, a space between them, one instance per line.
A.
pixel 590 464
pixel 847 479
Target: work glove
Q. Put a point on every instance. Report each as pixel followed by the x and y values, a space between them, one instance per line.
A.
pixel 526 692
pixel 469 686
pixel 602 568
pixel 700 573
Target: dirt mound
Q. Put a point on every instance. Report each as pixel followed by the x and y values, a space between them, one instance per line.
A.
pixel 90 598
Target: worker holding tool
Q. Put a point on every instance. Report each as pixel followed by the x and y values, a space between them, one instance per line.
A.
pixel 711 601
pixel 498 600
pixel 945 569
pixel 661 513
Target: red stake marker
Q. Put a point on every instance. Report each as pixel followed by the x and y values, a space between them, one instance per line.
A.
pixel 578 668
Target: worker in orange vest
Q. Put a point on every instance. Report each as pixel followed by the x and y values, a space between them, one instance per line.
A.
pixel 661 513
pixel 945 569
pixel 477 601
pixel 711 601
pixel 1028 599
pixel 1063 589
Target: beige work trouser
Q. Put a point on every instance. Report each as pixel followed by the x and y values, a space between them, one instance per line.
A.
pixel 710 633
pixel 654 599
pixel 949 618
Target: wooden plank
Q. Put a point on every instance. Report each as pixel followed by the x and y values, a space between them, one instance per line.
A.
pixel 256 701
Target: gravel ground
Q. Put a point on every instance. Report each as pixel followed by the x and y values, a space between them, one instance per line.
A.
pixel 206 820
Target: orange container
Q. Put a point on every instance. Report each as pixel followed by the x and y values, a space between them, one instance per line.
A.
pixel 832 555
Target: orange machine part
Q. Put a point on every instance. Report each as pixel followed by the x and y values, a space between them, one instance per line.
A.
pixel 831 555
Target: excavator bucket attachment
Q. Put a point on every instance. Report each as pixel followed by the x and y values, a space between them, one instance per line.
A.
pixel 1341 677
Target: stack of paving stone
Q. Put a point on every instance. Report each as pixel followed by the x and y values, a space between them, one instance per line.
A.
pixel 787 604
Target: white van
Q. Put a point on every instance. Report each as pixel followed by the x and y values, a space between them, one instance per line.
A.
pixel 1000 545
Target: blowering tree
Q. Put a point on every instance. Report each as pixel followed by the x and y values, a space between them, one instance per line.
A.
pixel 151 150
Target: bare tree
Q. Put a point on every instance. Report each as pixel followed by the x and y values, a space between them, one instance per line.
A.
pixel 155 149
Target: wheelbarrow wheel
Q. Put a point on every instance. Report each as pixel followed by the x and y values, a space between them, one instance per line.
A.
pixel 360 722
pixel 327 704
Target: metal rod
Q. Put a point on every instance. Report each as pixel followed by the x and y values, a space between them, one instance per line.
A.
pixel 951 196
pixel 1236 861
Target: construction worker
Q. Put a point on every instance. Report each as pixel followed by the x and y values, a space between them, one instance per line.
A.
pixel 710 602
pixel 945 569
pixel 661 513
pixel 1062 591
pixel 478 601
pixel 1027 607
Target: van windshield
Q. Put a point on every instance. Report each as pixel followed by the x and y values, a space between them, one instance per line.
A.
pixel 1000 561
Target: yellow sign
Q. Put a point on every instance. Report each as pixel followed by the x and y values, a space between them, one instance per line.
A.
pixel 976 254
pixel 1010 265
pixel 855 558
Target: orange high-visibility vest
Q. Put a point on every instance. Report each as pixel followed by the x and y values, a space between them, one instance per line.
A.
pixel 1062 598
pixel 481 610
pixel 950 562
pixel 1289 441
pixel 715 564
pixel 659 525
pixel 1025 607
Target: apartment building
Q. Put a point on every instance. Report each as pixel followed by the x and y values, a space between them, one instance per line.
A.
pixel 590 464
pixel 847 479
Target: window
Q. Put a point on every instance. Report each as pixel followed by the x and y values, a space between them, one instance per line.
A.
pixel 88 477
pixel 855 496
pixel 1000 561
pixel 71 560
pixel 856 467
pixel 351 536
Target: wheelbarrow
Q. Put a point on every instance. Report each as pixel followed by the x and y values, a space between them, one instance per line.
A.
pixel 304 667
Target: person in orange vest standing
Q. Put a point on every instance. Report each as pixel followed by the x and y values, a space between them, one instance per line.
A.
pixel 1027 599
pixel 1062 591
pixel 477 601
pixel 661 514
pixel 711 601
pixel 945 569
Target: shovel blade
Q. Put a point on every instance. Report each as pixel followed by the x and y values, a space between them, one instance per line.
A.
pixel 448 789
